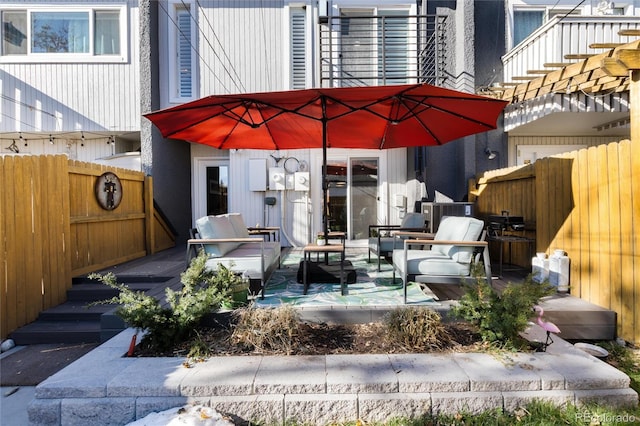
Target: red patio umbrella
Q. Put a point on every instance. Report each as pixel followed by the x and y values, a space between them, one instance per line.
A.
pixel 373 117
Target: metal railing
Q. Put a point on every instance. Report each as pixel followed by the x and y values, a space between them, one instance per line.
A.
pixel 357 50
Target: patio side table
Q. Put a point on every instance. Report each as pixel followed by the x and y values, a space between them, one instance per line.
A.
pixel 326 249
pixel 510 239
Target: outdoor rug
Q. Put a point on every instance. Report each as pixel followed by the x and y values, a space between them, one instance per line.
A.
pixel 372 288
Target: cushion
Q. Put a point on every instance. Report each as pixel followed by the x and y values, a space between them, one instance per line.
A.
pixel 237 222
pixel 216 227
pixel 458 228
pixel 429 262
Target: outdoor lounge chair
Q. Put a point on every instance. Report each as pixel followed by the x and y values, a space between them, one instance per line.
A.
pixel 447 258
pixel 226 241
pixel 384 243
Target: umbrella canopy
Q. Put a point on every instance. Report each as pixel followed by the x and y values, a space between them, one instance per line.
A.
pixel 371 117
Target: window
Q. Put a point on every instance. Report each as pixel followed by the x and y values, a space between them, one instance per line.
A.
pixel 70 35
pixel 182 66
pixel 298 49
pixel 525 22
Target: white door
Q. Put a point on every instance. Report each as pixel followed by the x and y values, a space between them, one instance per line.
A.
pixel 210 187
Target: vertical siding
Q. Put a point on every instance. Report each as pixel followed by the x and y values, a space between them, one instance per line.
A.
pixel 515 141
pixel 587 203
pixel 241 43
pixel 572 35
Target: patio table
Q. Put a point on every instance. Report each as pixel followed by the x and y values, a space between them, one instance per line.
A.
pixel 510 239
pixel 326 249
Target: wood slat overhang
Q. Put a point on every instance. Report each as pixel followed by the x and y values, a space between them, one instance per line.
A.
pixel 607 71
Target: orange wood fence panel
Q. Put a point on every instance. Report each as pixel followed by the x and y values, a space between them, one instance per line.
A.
pixel 586 203
pixel 52 228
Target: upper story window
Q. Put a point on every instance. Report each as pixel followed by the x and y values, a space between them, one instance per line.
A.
pixel 527 20
pixel 87 34
pixel 182 57
pixel 298 48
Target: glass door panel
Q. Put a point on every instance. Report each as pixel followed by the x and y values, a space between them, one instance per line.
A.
pixel 337 181
pixel 352 196
pixel 217 194
pixel 364 196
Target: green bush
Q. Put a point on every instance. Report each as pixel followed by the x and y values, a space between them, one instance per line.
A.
pixel 501 317
pixel 416 328
pixel 202 292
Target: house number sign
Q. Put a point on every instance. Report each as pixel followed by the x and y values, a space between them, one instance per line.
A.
pixel 108 191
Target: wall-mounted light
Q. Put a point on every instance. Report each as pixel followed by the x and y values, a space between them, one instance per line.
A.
pixel 51 139
pixel 490 154
pixel 81 138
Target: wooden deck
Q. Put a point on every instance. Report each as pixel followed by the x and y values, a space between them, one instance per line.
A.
pixel 578 319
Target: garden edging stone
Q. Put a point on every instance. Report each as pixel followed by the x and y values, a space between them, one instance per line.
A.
pixel 106 388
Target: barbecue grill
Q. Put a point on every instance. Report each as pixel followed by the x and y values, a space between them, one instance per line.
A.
pixel 503 222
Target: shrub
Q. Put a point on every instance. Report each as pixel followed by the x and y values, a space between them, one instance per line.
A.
pixel 266 329
pixel 416 328
pixel 202 292
pixel 502 317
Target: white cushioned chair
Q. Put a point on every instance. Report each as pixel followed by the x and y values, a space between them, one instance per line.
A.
pixel 446 258
pixel 383 244
pixel 226 240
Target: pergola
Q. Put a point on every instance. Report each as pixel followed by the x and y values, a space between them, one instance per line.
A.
pixel 617 69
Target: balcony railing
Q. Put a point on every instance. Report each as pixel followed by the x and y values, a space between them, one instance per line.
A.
pixel 553 42
pixel 380 50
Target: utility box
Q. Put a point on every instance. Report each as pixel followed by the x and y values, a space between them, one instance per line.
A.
pixel 258 174
pixel 276 179
pixel 301 181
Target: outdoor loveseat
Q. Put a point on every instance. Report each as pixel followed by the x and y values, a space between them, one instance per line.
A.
pixel 226 241
pixel 447 258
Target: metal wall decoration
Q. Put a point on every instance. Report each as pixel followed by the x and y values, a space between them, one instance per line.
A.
pixel 108 191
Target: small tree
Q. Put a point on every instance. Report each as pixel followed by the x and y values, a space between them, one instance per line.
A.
pixel 500 317
pixel 203 291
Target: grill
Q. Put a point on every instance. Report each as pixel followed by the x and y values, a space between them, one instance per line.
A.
pixel 503 222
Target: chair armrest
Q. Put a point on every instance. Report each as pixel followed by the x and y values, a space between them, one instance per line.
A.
pixel 263 228
pixel 446 243
pixel 414 234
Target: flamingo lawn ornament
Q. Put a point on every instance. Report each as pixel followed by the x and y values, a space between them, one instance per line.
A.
pixel 549 327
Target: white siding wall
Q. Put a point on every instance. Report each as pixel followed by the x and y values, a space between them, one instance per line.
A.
pixel 515 141
pixel 253 57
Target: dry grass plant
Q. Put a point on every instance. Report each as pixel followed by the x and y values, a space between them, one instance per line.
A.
pixel 265 330
pixel 417 328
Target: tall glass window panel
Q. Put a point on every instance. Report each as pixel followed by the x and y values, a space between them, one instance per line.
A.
pixel 14 33
pixel 525 22
pixel 107 33
pixel 60 32
pixel 185 67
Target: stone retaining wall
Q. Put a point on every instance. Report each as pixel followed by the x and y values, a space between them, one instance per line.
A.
pixel 105 388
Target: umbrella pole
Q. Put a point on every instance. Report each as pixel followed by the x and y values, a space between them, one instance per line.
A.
pixel 325 186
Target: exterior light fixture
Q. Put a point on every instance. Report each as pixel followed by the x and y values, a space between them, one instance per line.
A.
pixel 490 154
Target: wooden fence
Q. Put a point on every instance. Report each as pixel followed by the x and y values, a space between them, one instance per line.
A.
pixel 587 203
pixel 52 229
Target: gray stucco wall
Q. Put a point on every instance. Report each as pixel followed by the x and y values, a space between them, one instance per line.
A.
pixel 167 161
